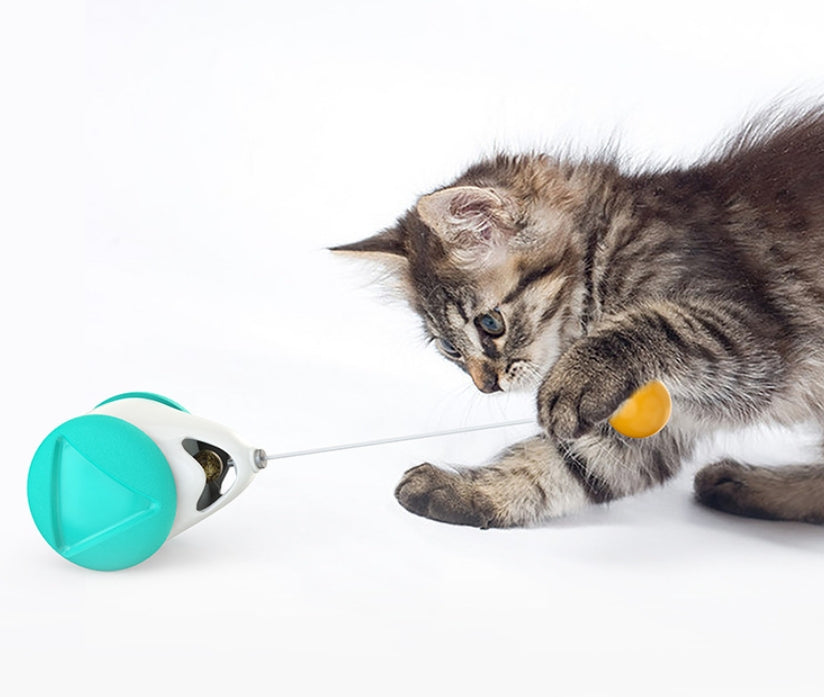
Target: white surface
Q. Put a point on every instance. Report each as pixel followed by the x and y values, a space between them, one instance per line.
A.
pixel 171 174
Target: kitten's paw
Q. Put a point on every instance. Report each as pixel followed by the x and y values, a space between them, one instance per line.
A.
pixel 728 486
pixel 444 496
pixel 570 405
pixel 584 388
pixel 559 410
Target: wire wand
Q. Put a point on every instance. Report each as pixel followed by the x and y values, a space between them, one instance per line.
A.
pixel 261 458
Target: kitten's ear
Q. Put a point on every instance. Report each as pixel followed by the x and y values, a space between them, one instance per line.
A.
pixel 387 242
pixel 472 222
pixel 385 253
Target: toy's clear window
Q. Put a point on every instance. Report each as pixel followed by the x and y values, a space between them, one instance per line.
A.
pixel 217 465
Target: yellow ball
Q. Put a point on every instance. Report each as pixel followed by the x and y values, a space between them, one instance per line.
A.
pixel 645 413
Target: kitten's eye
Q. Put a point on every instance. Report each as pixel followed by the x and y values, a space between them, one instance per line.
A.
pixel 491 323
pixel 448 348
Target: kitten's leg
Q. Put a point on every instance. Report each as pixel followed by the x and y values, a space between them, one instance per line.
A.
pixel 776 493
pixel 721 362
pixel 539 479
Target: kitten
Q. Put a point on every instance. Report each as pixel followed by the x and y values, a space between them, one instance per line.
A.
pixel 584 283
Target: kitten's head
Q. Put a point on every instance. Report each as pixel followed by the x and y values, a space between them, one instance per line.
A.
pixel 492 266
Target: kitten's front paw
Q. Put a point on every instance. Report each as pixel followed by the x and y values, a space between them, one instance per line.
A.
pixel 582 390
pixel 444 496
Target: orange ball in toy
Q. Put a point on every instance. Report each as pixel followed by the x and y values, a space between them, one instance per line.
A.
pixel 645 413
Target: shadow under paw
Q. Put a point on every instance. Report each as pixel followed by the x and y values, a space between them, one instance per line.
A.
pixel 434 493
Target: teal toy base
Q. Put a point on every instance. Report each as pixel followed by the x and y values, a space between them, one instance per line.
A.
pixel 102 493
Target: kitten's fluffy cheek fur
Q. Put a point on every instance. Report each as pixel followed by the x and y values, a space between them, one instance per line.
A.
pixel 521 377
pixel 526 375
pixel 545 352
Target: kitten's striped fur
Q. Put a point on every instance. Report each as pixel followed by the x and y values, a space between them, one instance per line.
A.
pixel 709 278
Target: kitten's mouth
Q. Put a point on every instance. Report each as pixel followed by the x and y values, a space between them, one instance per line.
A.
pixel 489 389
pixel 520 375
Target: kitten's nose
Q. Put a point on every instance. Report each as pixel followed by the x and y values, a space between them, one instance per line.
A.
pixel 484 376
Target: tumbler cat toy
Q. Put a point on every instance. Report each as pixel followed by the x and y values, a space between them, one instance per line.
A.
pixel 107 489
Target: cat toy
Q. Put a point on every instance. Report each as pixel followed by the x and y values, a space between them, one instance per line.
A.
pixel 108 488
pixel 645 413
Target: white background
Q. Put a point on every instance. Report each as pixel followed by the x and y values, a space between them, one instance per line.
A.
pixel 171 175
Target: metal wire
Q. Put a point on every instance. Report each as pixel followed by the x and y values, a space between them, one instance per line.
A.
pixel 397 439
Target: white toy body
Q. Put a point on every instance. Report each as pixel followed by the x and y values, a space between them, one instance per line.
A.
pixel 169 428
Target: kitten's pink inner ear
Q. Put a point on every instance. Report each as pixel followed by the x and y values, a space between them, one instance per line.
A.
pixel 465 215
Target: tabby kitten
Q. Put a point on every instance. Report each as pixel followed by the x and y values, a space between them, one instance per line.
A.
pixel 585 283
